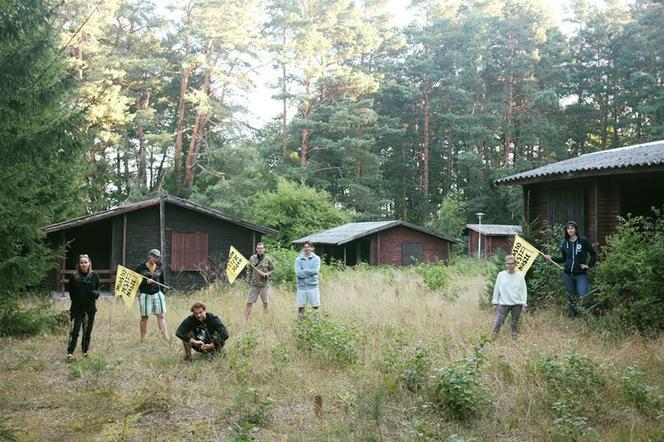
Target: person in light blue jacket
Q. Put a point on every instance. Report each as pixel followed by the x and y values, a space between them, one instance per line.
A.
pixel 307 269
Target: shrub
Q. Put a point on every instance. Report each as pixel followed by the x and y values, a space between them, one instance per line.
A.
pixel 327 340
pixel 643 396
pixel 242 351
pixel 435 276
pixel 18 321
pixel 630 277
pixel 573 373
pixel 544 279
pixel 457 391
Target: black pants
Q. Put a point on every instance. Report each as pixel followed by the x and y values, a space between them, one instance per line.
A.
pixel 77 321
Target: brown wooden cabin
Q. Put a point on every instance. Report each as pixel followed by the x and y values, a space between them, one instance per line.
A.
pixel 494 237
pixel 194 241
pixel 379 243
pixel 595 188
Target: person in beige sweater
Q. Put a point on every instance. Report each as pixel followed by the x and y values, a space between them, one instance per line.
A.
pixel 510 295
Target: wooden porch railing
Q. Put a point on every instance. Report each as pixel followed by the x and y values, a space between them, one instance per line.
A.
pixel 106 276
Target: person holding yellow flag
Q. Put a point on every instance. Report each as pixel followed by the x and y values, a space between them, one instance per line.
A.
pixel 151 298
pixel 258 273
pixel 578 255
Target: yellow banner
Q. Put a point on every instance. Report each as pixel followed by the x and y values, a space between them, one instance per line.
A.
pixel 126 284
pixel 236 262
pixel 524 254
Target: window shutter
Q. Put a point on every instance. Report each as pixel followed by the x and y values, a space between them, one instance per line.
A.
pixel 189 251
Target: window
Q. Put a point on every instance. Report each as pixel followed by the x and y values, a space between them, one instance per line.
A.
pixel 565 205
pixel 189 251
pixel 411 253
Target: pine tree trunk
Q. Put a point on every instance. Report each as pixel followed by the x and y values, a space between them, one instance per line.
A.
pixel 177 157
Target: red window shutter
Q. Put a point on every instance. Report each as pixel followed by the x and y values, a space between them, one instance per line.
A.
pixel 189 251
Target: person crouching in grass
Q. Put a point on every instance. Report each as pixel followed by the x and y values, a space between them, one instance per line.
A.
pixel 202 331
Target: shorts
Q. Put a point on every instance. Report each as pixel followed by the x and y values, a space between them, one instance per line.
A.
pixel 255 291
pixel 312 296
pixel 152 304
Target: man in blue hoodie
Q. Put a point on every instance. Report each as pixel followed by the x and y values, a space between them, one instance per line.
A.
pixel 578 255
pixel 307 268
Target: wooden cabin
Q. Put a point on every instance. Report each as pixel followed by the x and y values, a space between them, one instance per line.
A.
pixel 381 242
pixel 493 237
pixel 194 241
pixel 595 189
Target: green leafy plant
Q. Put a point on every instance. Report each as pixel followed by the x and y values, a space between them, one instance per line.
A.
pixel 630 276
pixel 328 340
pixel 435 276
pixel 18 321
pixel 456 390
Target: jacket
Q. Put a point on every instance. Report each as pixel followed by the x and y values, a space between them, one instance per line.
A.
pixel 158 276
pixel 84 293
pixel 210 331
pixel 265 265
pixel 575 253
pixel 307 270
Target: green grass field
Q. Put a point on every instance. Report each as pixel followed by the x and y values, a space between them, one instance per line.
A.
pixel 391 360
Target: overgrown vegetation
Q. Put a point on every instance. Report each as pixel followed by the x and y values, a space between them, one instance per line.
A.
pixel 386 360
pixel 630 276
pixel 329 341
pixel 18 320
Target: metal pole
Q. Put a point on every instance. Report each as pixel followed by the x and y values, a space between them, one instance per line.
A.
pixel 479 236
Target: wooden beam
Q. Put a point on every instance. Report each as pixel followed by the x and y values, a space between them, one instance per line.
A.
pixel 162 230
pixel 124 240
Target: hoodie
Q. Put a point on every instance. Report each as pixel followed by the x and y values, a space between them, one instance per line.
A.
pixel 575 253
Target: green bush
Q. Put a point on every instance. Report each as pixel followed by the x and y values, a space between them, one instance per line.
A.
pixel 630 276
pixel 284 264
pixel 573 373
pixel 327 340
pixel 643 396
pixel 42 318
pixel 242 352
pixel 544 279
pixel 457 391
pixel 434 275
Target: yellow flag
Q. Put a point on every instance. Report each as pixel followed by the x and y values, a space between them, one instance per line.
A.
pixel 126 284
pixel 524 254
pixel 236 262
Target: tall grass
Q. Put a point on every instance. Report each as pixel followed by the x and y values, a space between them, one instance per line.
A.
pixel 411 347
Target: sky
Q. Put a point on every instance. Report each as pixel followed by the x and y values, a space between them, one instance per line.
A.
pixel 262 108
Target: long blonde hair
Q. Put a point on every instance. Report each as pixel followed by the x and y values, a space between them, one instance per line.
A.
pixel 78 274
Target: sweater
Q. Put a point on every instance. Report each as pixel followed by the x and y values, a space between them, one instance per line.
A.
pixel 307 270
pixel 510 289
pixel 211 330
pixel 84 293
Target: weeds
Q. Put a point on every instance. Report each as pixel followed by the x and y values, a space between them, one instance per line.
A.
pixel 457 391
pixel 327 340
pixel 434 275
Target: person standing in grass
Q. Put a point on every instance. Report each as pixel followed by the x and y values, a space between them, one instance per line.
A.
pixel 259 270
pixel 510 295
pixel 83 291
pixel 202 331
pixel 578 255
pixel 307 269
pixel 151 298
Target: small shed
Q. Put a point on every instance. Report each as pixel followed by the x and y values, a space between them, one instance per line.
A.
pixel 595 188
pixel 494 237
pixel 381 242
pixel 194 241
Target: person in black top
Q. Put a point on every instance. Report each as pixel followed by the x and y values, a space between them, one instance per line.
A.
pixel 151 300
pixel 578 255
pixel 202 331
pixel 83 291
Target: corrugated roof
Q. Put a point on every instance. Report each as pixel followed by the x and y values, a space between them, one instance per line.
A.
pixel 153 202
pixel 604 162
pixel 495 229
pixel 352 231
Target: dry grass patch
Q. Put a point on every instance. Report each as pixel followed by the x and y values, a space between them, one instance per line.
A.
pixel 265 386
